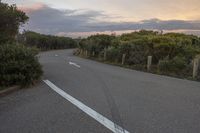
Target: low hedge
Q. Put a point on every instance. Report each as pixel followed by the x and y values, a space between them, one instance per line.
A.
pixel 18 65
pixel 177 66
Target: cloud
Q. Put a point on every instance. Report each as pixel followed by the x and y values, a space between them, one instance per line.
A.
pixel 32 7
pixel 48 20
pixel 131 10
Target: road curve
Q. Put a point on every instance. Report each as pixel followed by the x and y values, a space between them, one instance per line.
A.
pixel 136 101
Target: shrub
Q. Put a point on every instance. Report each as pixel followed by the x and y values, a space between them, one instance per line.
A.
pixel 18 65
pixel 172 52
pixel 137 55
pixel 113 54
pixel 174 66
pixel 136 58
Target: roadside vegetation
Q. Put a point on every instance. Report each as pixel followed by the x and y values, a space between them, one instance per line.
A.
pixel 172 53
pixel 18 63
pixel 46 42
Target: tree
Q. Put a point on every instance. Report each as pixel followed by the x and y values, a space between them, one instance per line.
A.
pixel 46 42
pixel 18 64
pixel 11 19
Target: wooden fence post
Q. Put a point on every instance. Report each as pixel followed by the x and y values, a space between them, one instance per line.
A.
pixel 80 51
pixel 149 62
pixel 195 67
pixel 123 58
pixel 93 53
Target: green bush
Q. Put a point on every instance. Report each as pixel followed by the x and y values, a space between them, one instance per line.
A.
pixel 175 66
pixel 172 53
pixel 137 55
pixel 18 65
pixel 113 54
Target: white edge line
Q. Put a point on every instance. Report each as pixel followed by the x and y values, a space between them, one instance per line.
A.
pixel 98 117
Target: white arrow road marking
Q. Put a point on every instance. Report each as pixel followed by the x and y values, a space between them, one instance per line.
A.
pixel 92 113
pixel 56 55
pixel 72 63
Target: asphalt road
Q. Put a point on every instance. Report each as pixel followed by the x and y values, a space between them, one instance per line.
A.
pixel 136 101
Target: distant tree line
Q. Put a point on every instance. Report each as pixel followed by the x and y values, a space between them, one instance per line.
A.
pixel 172 53
pixel 46 42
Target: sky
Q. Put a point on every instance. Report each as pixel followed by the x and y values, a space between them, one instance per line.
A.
pixel 85 17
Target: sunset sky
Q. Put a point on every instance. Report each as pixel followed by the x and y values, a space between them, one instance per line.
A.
pixel 76 17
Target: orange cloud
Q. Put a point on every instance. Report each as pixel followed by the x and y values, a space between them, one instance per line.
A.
pixel 31 8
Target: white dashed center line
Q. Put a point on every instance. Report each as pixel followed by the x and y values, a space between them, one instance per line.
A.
pixel 74 64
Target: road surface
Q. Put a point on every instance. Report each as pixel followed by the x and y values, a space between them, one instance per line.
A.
pixel 83 96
